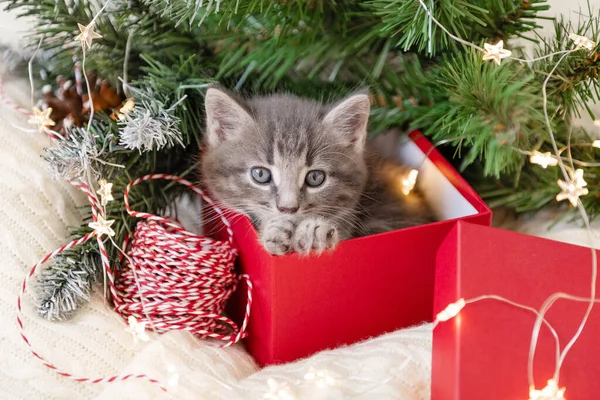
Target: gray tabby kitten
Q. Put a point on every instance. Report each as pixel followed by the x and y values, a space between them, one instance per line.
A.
pixel 301 171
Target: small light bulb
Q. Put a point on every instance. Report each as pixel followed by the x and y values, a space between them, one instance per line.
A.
pixel 596 143
pixel 87 34
pixel 577 178
pixel 105 192
pixel 574 189
pixel 451 311
pixel 495 52
pixel 102 226
pixel 408 182
pixel 550 392
pixel 581 42
pixel 279 391
pixel 543 159
pixel 137 329
pixel 42 119
pixel 322 378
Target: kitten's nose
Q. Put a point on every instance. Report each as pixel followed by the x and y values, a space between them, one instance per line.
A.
pixel 288 210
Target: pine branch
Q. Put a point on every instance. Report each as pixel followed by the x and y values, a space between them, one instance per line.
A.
pixel 152 36
pixel 66 284
pixel 489 109
pixel 573 83
pixel 490 19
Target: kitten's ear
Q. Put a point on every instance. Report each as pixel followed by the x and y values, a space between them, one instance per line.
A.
pixel 225 117
pixel 349 119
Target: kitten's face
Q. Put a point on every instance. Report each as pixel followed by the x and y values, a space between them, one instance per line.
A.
pixel 282 155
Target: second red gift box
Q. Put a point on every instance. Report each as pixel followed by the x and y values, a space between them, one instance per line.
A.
pixel 482 353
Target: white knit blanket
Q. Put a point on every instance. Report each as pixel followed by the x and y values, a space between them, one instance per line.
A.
pixel 37 214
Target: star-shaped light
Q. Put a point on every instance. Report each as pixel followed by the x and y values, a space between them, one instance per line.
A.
pixel 105 192
pixel 571 191
pixel 126 109
pixel 577 178
pixel 42 119
pixel 137 329
pixel 495 52
pixel 451 311
pixel 87 34
pixel 102 226
pixel 408 182
pixel 279 391
pixel 581 42
pixel 550 392
pixel 543 159
pixel 322 378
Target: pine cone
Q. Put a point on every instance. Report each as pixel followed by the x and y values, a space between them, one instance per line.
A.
pixel 69 108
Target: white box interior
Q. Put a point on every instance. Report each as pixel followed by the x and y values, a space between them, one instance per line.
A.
pixel 444 199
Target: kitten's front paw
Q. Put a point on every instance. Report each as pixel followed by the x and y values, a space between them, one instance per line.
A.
pixel 276 235
pixel 315 235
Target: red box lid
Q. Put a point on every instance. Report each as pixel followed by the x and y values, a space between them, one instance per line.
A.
pixel 482 353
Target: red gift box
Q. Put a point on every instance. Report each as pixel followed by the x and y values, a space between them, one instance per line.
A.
pixel 366 287
pixel 482 353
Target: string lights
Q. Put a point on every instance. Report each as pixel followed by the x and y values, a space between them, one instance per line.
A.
pixel 543 159
pixel 279 391
pixel 408 182
pixel 87 34
pixel 103 226
pixel 41 119
pixel 570 191
pixel 105 192
pixel 581 42
pixel 495 52
pixel 125 110
pixel 322 378
pixel 577 178
pixel 451 310
pixel 550 392
pixel 137 329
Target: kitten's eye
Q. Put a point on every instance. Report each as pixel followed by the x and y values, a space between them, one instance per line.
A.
pixel 315 178
pixel 261 175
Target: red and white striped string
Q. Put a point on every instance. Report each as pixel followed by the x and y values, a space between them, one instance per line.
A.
pixel 32 271
pixel 180 279
pixel 78 75
pixel 176 280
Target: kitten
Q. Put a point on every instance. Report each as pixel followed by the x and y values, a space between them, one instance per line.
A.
pixel 301 171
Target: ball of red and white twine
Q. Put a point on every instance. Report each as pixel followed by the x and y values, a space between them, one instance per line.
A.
pixel 171 280
pixel 183 279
